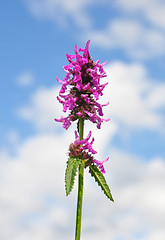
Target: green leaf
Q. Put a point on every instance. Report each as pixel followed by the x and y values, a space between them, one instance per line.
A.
pixel 70 173
pixel 99 178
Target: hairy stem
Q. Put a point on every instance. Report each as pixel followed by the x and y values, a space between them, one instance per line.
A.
pixel 80 186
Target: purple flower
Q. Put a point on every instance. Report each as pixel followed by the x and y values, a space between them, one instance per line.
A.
pixel 100 164
pixel 81 88
pixel 83 149
pixel 66 122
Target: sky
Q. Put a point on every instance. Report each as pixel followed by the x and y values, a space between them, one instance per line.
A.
pixel 35 36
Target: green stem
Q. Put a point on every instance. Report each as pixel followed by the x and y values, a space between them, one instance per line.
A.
pixel 80 187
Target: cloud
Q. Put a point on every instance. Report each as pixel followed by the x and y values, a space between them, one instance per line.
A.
pixel 61 11
pixel 134 97
pixel 152 10
pixel 157 98
pixel 132 37
pixel 13 137
pixel 25 79
pixel 139 195
pixel 27 180
pixel 42 109
pixel 33 203
pixel 135 101
pixel 138 31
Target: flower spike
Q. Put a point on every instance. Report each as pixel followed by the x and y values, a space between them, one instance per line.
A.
pixel 83 77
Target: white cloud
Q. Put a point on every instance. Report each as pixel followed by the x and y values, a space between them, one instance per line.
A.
pixel 130 36
pixel 157 98
pixel 13 137
pixel 27 180
pixel 139 200
pixel 130 33
pixel 135 101
pixel 42 109
pixel 61 11
pixel 152 10
pixel 36 175
pixel 25 79
pixel 134 98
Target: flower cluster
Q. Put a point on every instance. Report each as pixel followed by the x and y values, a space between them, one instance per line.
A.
pixel 84 88
pixel 83 150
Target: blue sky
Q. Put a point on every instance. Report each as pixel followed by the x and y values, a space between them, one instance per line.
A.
pixel 35 36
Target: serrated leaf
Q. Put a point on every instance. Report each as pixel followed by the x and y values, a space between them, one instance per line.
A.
pixel 70 173
pixel 99 178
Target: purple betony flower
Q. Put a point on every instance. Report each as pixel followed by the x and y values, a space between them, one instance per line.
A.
pixel 83 79
pixel 83 149
pixel 79 94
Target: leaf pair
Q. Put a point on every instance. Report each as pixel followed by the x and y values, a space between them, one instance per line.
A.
pixel 71 170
